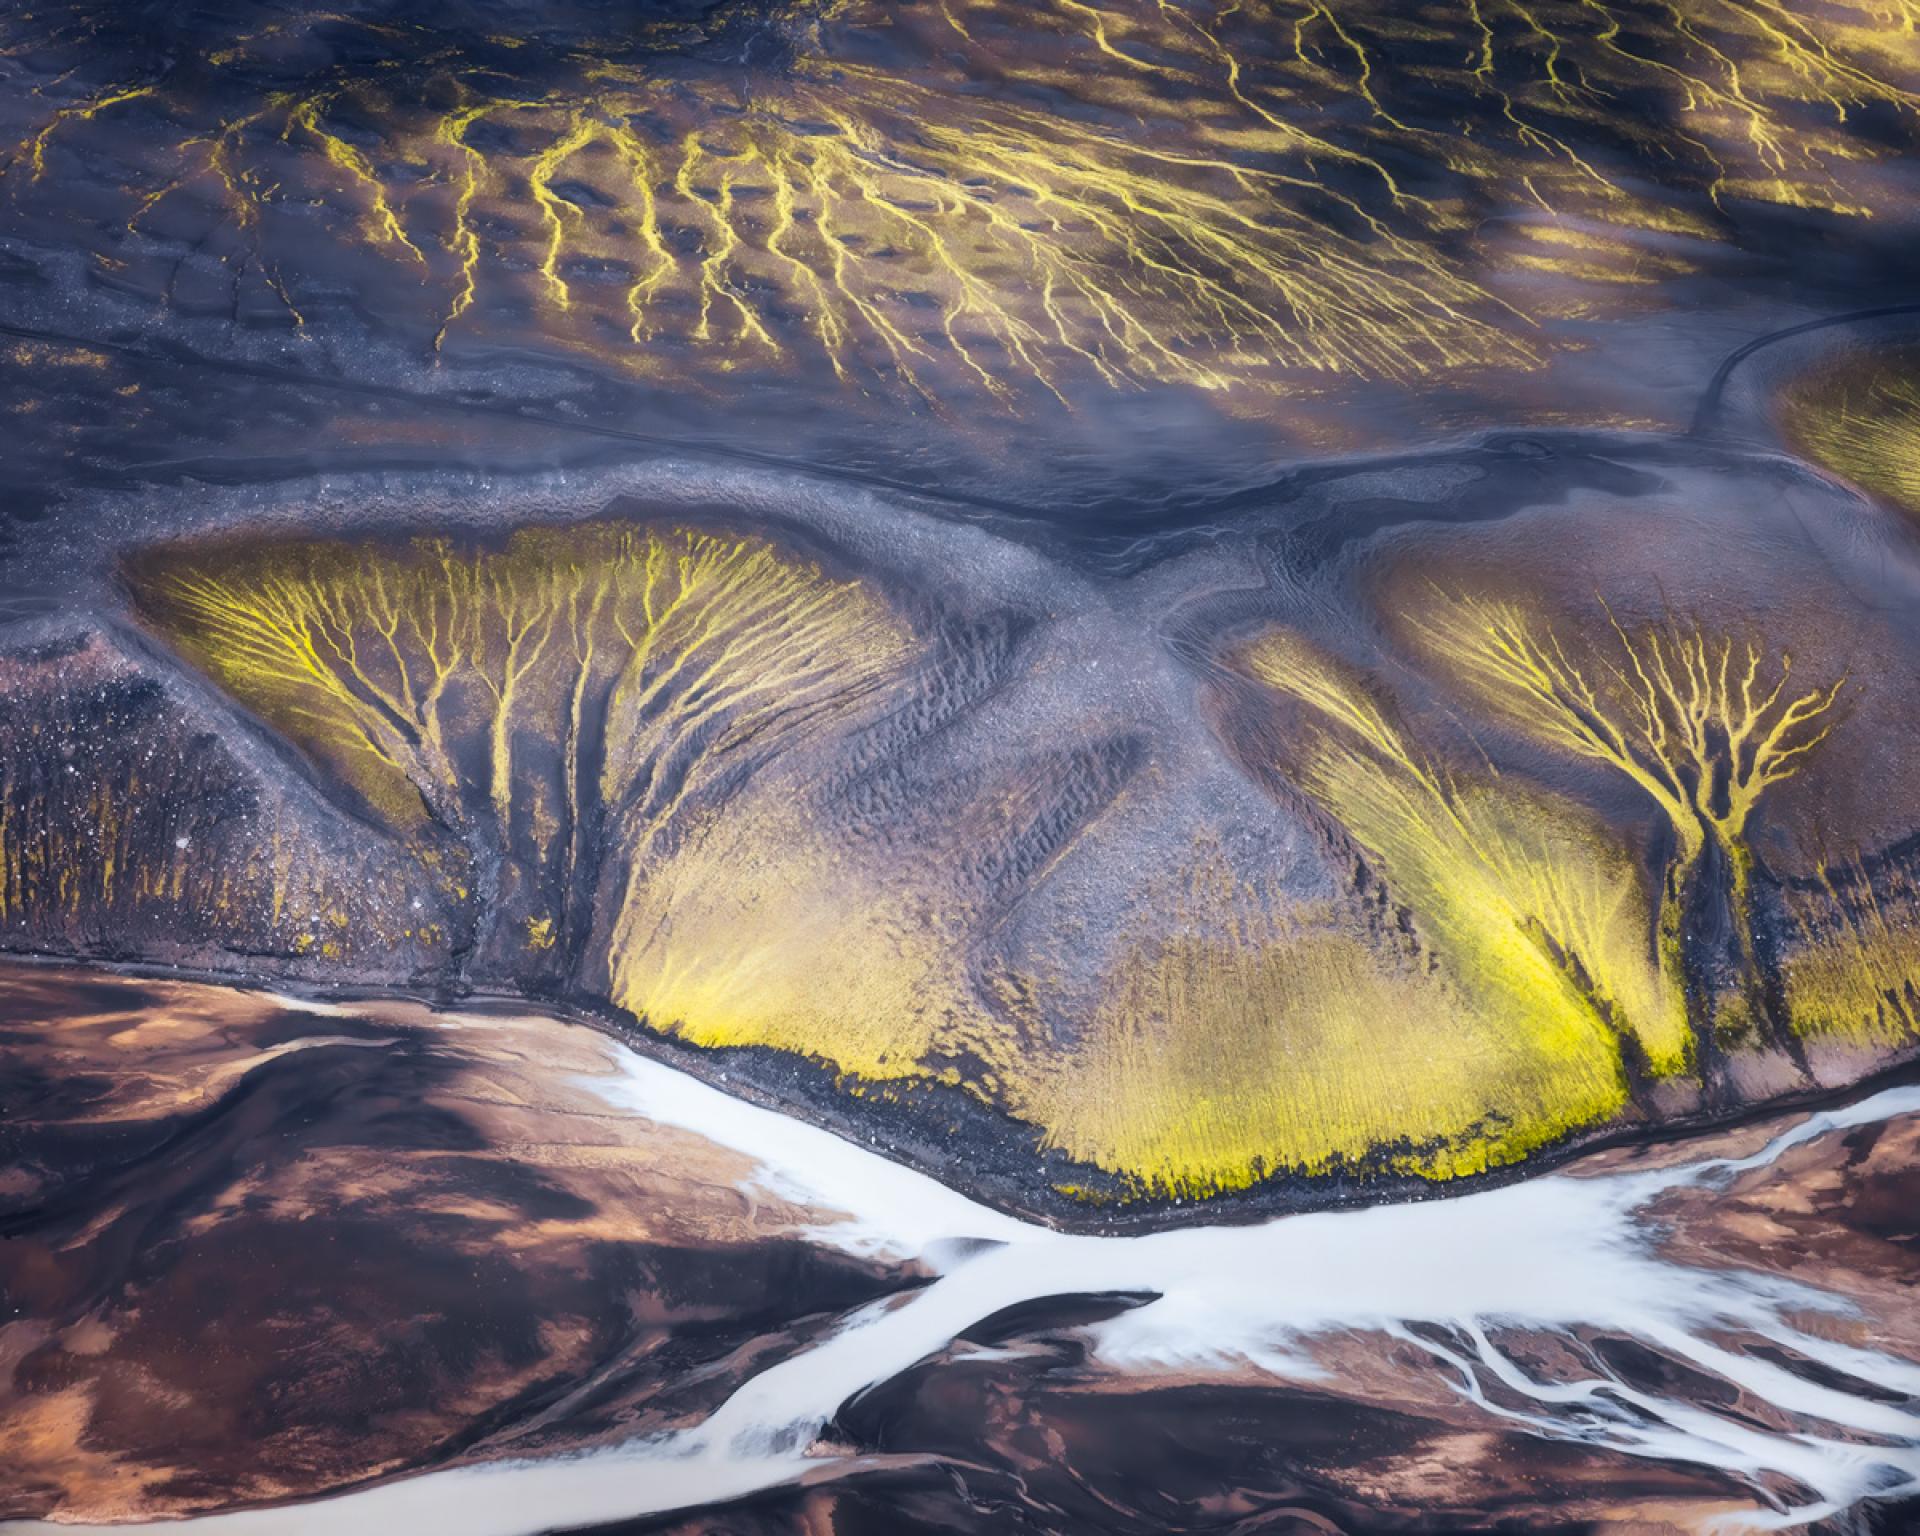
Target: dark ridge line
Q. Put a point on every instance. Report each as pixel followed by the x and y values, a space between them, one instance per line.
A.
pixel 1276 1198
pixel 1710 399
pixel 659 442
pixel 1491 442
pixel 1117 553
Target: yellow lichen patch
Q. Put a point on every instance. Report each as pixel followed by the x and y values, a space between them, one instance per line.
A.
pixel 382 222
pixel 1253 1039
pixel 1854 973
pixel 760 932
pixel 80 112
pixel 1039 247
pixel 376 656
pixel 558 700
pixel 629 722
pixel 849 940
pixel 1293 1042
pixel 1213 1064
pixel 1238 1040
pixel 1702 725
pixel 1862 420
pixel 34 354
pixel 1537 908
pixel 1012 198
pixel 351 658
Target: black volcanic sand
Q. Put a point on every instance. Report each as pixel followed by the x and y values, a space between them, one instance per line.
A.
pixel 252 1252
pixel 191 368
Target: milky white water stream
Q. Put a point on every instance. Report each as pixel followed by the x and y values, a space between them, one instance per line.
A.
pixel 1552 1253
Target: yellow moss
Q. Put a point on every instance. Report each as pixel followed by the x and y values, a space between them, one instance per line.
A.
pixel 1211 1065
pixel 1854 975
pixel 1225 197
pixel 1702 725
pixel 1239 1037
pixel 765 928
pixel 1862 420
pixel 1249 1043
pixel 385 661
pixel 1537 909
pixel 778 953
pixel 1265 1045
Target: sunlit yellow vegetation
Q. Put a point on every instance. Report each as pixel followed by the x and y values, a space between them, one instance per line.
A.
pixel 1861 419
pixel 585 698
pixel 764 932
pixel 1703 726
pixel 1294 1044
pixel 558 699
pixel 1854 974
pixel 632 724
pixel 1003 196
pixel 1534 903
pixel 1234 1036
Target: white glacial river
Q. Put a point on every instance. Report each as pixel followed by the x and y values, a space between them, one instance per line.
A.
pixel 1552 1253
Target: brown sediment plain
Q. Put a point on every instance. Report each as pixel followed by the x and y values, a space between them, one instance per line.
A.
pixel 257 1250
